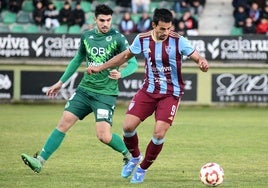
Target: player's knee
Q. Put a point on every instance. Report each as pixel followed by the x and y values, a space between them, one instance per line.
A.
pixel 128 129
pixel 103 138
pixel 63 127
pixel 159 134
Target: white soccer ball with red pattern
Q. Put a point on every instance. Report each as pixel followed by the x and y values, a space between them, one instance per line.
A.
pixel 211 174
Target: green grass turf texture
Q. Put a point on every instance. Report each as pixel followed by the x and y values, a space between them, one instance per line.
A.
pixel 234 137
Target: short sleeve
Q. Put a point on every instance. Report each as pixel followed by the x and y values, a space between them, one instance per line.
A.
pixel 135 47
pixel 185 47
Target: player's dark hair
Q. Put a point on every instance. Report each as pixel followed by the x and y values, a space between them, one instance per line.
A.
pixel 103 9
pixel 163 15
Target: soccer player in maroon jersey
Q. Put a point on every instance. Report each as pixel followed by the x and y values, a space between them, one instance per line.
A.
pixel 161 91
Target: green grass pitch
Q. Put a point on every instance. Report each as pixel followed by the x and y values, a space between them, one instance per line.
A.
pixel 234 137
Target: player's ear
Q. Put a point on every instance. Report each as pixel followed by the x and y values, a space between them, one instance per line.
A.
pixel 153 25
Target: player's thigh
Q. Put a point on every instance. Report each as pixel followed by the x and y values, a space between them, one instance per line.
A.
pixel 166 109
pixel 79 104
pixel 142 105
pixel 103 107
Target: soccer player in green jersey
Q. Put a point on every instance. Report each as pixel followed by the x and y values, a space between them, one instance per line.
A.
pixel 95 93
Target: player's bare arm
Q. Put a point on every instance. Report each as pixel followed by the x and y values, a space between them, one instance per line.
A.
pixel 200 61
pixel 54 90
pixel 114 62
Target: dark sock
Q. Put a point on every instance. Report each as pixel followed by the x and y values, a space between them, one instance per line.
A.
pixel 151 154
pixel 132 144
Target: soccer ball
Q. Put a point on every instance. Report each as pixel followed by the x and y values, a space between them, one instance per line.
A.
pixel 211 174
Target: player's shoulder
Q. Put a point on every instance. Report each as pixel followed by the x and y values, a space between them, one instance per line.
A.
pixel 174 34
pixel 145 34
pixel 87 32
pixel 116 32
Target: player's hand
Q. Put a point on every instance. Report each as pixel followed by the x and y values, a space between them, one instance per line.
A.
pixel 92 69
pixel 115 74
pixel 203 65
pixel 54 90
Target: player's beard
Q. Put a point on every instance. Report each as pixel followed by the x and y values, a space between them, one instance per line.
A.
pixel 105 29
pixel 162 37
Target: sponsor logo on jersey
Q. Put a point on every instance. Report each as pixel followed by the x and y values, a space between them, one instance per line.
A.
pixel 102 114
